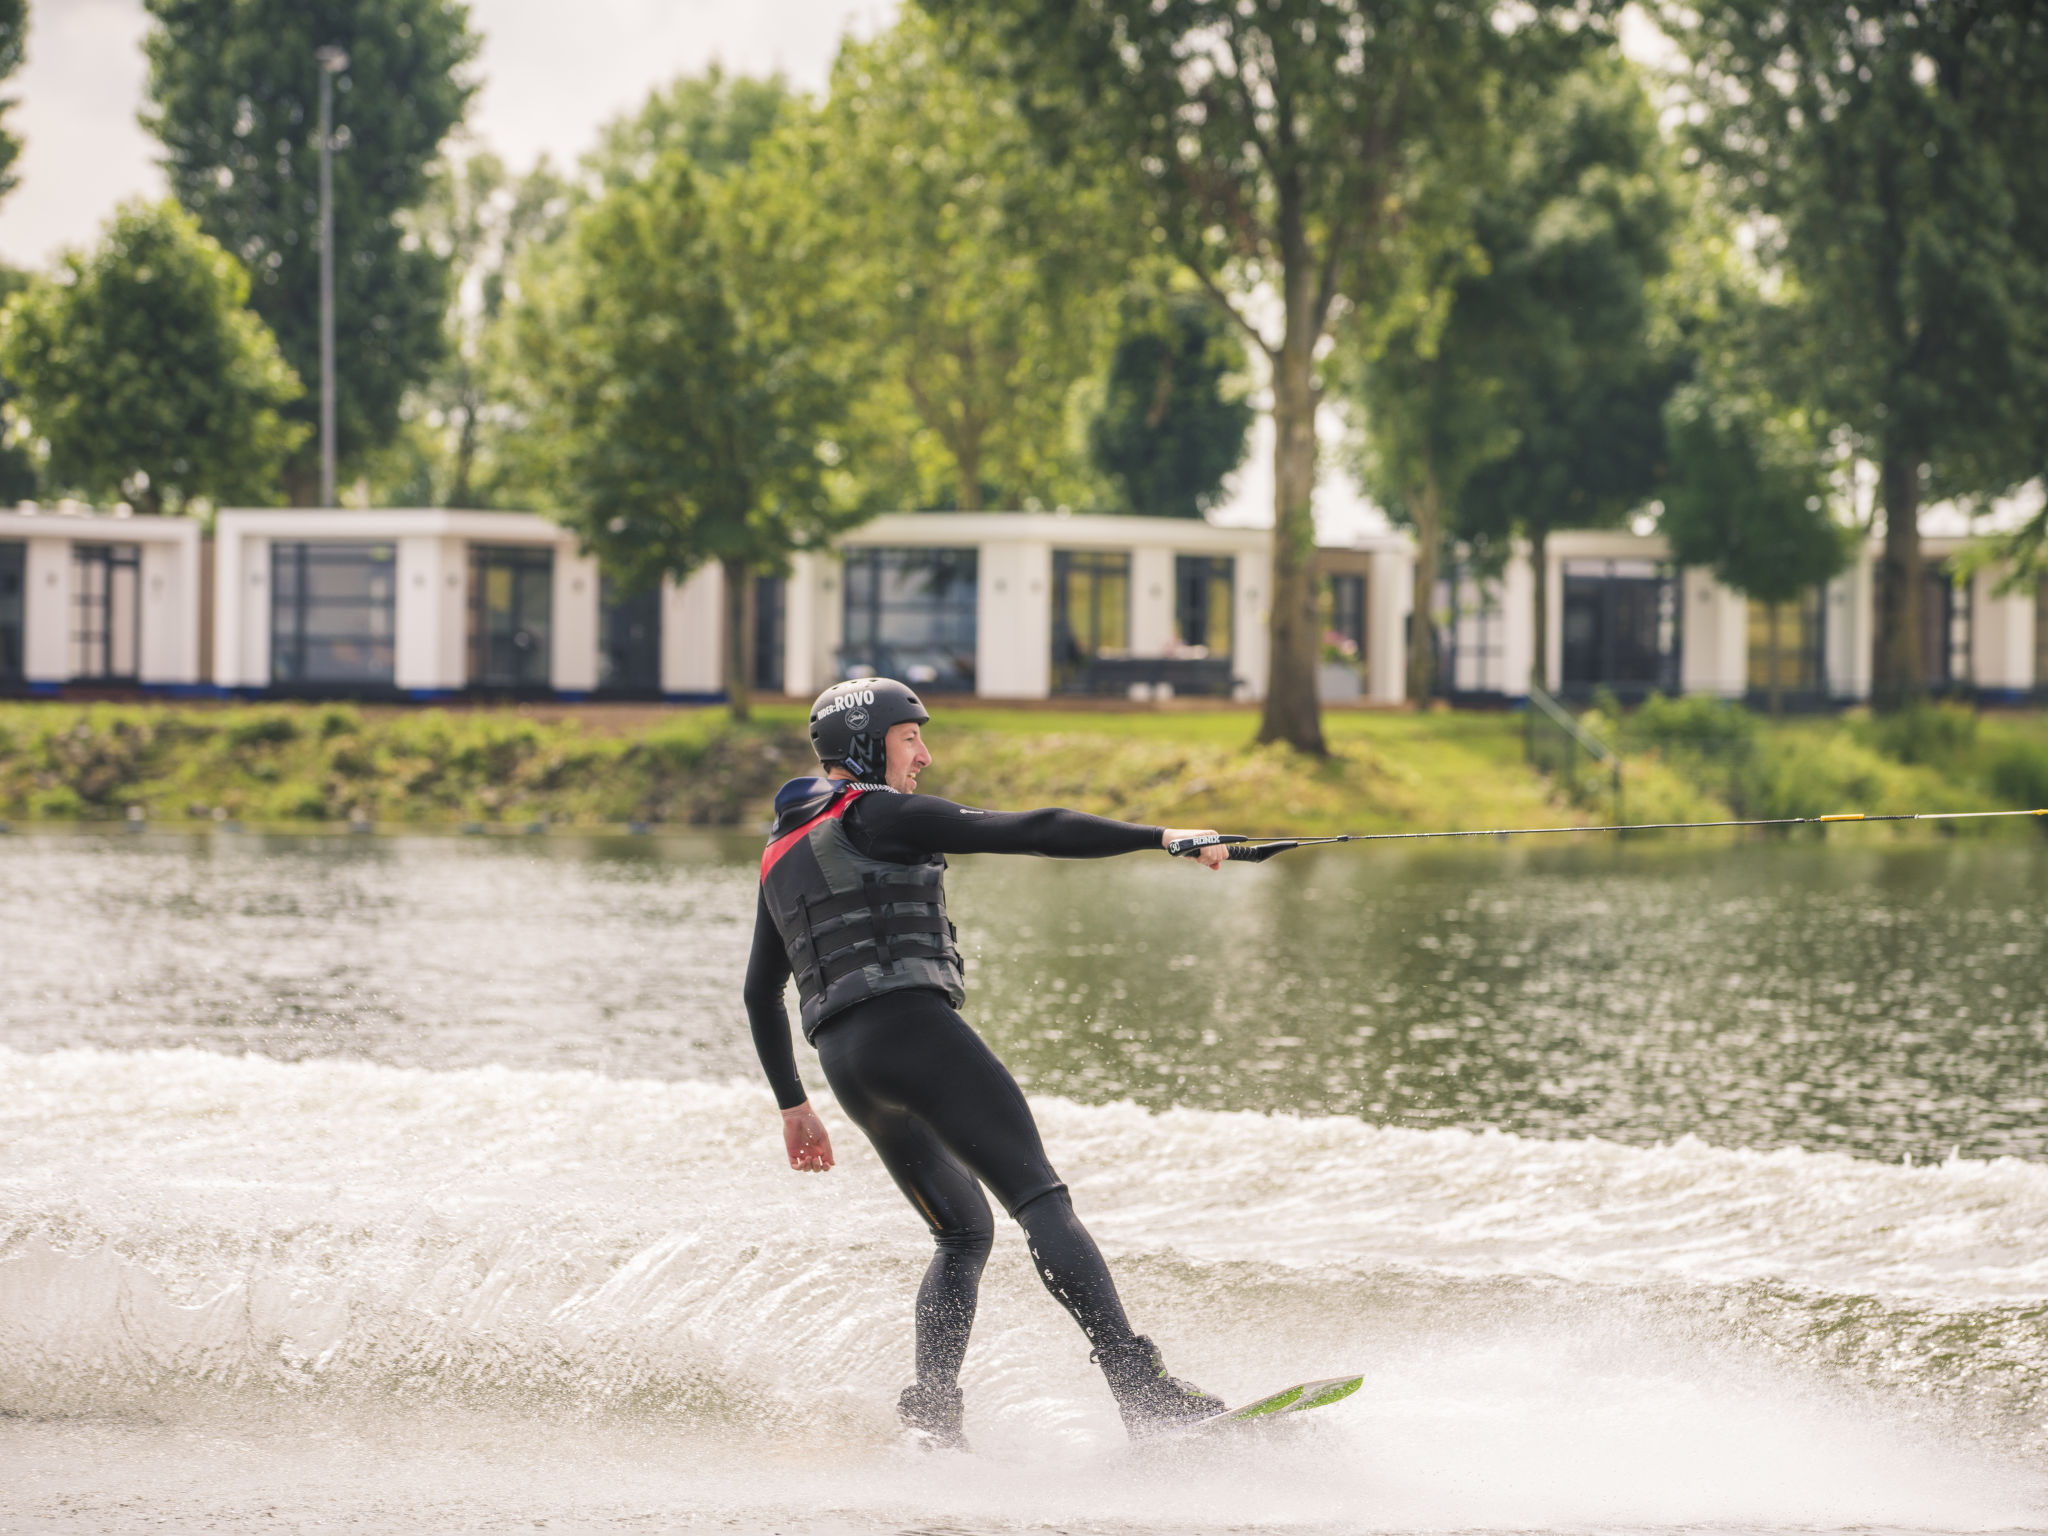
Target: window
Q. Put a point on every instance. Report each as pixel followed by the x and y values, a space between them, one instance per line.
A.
pixel 1471 643
pixel 332 614
pixel 629 649
pixel 512 599
pixel 1347 614
pixel 1786 643
pixel 106 630
pixel 1620 627
pixel 910 615
pixel 1202 587
pixel 13 564
pixel 1944 628
pixel 771 601
pixel 1091 612
pixel 2041 636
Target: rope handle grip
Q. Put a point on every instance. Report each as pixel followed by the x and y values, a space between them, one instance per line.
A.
pixel 1188 847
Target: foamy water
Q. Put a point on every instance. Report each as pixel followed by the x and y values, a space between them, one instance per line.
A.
pixel 235 1290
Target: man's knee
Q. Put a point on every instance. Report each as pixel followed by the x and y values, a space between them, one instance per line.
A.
pixel 968 1237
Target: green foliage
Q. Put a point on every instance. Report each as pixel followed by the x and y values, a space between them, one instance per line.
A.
pixel 18 481
pixel 1577 234
pixel 144 374
pixel 1937 734
pixel 13 44
pixel 982 276
pixel 712 120
pixel 1174 418
pixel 332 763
pixel 456 446
pixel 674 394
pixel 1269 150
pixel 1747 495
pixel 234 100
pixel 2019 774
pixel 1887 156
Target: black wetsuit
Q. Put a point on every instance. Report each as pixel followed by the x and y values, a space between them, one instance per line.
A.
pixel 942 1111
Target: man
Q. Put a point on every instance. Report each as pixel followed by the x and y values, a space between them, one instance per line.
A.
pixel 853 903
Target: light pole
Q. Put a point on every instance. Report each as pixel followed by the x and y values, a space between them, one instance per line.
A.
pixel 332 62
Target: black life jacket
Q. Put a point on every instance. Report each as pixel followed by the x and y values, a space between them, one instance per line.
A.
pixel 853 927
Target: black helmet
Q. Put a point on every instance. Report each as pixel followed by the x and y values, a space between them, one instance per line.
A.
pixel 851 719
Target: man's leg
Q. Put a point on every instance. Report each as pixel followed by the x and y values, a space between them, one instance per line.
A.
pixel 951 1203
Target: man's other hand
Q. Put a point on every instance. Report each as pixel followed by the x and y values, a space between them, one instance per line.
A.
pixel 803 1136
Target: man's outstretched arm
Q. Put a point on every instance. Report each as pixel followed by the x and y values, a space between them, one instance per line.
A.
pixel 907 828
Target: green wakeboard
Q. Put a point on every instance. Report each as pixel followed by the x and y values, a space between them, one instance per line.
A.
pixel 1295 1399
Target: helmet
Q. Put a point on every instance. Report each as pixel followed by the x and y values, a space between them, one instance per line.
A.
pixel 851 719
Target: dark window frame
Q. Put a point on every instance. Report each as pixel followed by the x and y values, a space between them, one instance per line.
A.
pixel 93 632
pixel 535 673
pixel 1199 581
pixel 628 659
pixel 13 611
pixel 1071 651
pixel 293 564
pixel 929 639
pixel 1808 651
pixel 1607 587
pixel 1474 633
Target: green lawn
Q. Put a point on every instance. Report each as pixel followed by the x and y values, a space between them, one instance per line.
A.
pixel 599 765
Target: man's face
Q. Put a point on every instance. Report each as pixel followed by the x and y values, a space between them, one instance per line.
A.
pixel 905 758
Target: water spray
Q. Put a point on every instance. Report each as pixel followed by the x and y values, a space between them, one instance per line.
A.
pixel 1252 850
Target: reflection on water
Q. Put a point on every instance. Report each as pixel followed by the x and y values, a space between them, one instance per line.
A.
pixel 1885 1000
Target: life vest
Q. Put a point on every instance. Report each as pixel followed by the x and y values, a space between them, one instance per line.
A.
pixel 853 927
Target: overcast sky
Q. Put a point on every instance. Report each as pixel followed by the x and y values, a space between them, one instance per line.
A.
pixel 546 88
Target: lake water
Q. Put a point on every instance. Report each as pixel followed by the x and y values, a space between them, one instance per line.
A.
pixel 428 1184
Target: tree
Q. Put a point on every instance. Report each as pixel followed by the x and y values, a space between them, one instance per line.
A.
pixel 1748 496
pixel 17 468
pixel 1517 384
pixel 1887 155
pixel 713 120
pixel 1174 415
pixel 233 95
pixel 13 48
pixel 145 374
pixel 1576 240
pixel 1269 146
pixel 666 355
pixel 986 275
pixel 481 221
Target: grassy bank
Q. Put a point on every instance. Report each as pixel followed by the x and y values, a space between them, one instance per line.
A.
pixel 307 763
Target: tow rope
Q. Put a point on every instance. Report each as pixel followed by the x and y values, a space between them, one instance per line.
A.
pixel 1254 850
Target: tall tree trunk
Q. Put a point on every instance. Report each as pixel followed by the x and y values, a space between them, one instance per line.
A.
pixel 302 482
pixel 460 493
pixel 737 578
pixel 1897 675
pixel 1539 559
pixel 1292 713
pixel 1771 645
pixel 1427 505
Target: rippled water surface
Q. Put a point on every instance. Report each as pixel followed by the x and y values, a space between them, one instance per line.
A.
pixel 427 1184
pixel 1887 1000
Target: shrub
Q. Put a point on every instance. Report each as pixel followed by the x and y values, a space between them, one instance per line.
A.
pixel 2019 775
pixel 1936 734
pixel 267 728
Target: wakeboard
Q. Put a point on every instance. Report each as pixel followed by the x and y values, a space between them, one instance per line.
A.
pixel 1295 1399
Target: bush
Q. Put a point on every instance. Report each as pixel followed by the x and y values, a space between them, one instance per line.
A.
pixel 2019 774
pixel 269 728
pixel 1693 723
pixel 1935 734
